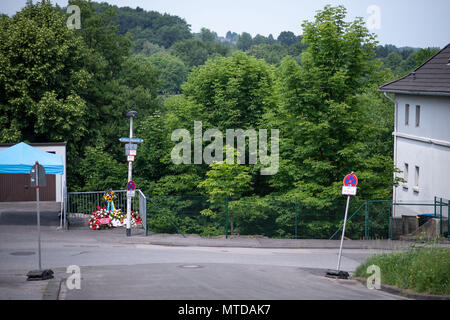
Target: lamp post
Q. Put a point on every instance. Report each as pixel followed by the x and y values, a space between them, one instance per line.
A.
pixel 130 115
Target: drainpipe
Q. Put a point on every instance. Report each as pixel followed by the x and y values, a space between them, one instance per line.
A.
pixel 395 146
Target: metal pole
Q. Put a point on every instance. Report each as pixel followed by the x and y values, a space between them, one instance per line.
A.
pixel 38 214
pixel 390 222
pixel 296 218
pixel 342 237
pixel 366 221
pixel 130 170
pixel 440 219
pixel 226 217
pixel 448 220
pixel 435 209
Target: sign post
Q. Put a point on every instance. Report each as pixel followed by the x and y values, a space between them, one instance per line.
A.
pixel 131 145
pixel 349 189
pixel 37 174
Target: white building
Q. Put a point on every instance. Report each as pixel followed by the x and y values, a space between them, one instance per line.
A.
pixel 422 134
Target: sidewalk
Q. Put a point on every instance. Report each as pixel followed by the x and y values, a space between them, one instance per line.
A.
pixel 138 237
pixel 18 234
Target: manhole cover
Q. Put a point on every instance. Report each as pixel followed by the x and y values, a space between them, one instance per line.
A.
pixel 191 266
pixel 22 253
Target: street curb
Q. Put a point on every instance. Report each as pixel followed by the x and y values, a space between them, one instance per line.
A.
pixel 231 244
pixel 52 290
pixel 405 292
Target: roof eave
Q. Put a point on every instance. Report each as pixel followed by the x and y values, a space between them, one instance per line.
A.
pixel 425 93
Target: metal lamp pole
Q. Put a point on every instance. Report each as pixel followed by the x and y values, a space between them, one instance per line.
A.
pixel 130 115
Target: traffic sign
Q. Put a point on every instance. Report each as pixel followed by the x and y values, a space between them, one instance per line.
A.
pixel 130 158
pixel 37 174
pixel 131 189
pixel 131 152
pixel 348 191
pixel 350 180
pixel 131 146
pixel 131 140
pixel 131 185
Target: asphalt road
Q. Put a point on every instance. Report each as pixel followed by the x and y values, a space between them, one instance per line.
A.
pixel 113 266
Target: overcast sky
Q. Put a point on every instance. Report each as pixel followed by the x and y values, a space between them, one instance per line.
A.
pixel 415 23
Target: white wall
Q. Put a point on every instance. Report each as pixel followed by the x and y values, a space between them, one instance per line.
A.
pixel 434 116
pixel 420 149
pixel 60 179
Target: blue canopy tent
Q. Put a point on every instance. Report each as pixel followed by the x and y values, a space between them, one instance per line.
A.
pixel 21 157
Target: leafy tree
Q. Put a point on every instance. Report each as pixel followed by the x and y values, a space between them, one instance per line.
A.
pixel 259 39
pixel 224 180
pixel 393 61
pixel 231 92
pixel 102 171
pixel 147 48
pixel 272 54
pixel 324 137
pixel 161 29
pixel 245 41
pixel 192 52
pixel 172 70
pixel 100 33
pixel 170 34
pixel 287 38
pixel 207 35
pixel 135 89
pixel 424 54
pixel 42 75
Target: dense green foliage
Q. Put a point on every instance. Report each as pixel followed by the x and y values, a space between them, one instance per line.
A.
pixel 424 270
pixel 319 89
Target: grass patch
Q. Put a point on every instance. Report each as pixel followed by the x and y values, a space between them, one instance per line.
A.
pixel 423 270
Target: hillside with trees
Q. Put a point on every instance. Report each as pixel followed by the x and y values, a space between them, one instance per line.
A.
pixel 320 89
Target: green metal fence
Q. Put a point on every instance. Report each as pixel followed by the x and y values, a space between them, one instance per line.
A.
pixel 269 216
pixel 278 217
pixel 275 217
pixel 442 210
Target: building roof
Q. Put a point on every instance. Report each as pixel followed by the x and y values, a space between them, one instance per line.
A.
pixel 431 78
pixel 21 157
pixel 38 144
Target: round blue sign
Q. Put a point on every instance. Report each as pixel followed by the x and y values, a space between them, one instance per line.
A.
pixel 350 180
pixel 131 186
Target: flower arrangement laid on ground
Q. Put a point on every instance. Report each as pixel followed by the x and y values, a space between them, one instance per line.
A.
pixel 110 216
pixel 100 219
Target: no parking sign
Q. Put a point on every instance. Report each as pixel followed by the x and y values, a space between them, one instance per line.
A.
pixel 350 183
pixel 131 189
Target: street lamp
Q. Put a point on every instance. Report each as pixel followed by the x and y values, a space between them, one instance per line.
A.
pixel 130 115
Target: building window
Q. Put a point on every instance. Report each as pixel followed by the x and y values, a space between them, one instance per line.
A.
pixel 416 180
pixel 405 175
pixel 406 114
pixel 417 116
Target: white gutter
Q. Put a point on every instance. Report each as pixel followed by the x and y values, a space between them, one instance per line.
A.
pixel 422 93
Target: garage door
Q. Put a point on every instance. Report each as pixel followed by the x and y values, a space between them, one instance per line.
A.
pixel 16 187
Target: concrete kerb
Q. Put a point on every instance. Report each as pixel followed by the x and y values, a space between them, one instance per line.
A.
pixel 266 243
pixel 405 292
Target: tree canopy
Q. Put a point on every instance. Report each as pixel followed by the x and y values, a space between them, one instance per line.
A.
pixel 319 89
